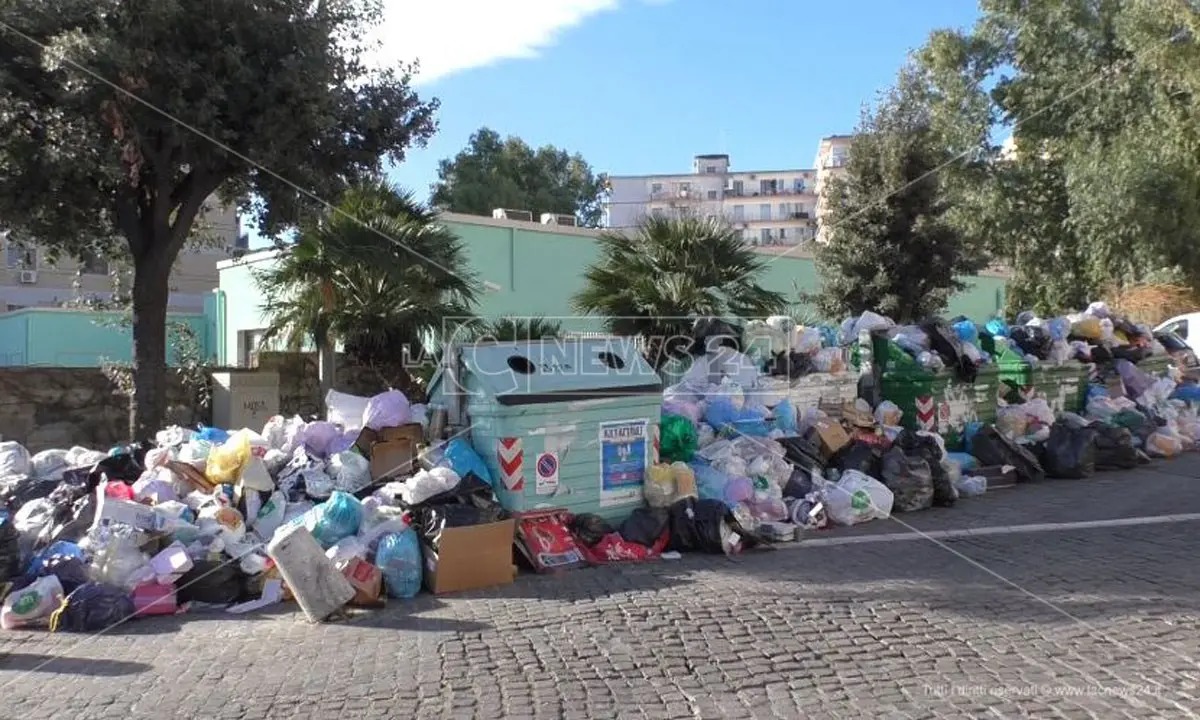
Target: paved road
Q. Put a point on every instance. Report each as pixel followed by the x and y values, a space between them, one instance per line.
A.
pixel 1076 622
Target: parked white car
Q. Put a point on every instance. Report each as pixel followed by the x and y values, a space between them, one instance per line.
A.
pixel 1187 327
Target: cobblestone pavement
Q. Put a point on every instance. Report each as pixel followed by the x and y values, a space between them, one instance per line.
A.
pixel 1094 622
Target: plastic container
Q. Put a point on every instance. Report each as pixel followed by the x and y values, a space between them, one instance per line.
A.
pixel 313 579
pixel 32 603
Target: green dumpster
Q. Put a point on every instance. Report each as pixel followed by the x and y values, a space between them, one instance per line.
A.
pixel 934 401
pixel 1064 387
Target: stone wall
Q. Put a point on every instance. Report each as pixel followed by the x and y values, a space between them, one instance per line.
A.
pixel 55 407
pixel 300 385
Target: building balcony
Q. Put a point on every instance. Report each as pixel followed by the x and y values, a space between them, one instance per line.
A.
pixel 677 196
pixel 784 192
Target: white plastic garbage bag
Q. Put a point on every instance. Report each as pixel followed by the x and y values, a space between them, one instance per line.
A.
pixel 387 409
pixel 350 471
pixel 14 459
pixel 345 409
pixel 857 498
pixel 270 516
pixel 49 464
pixel 427 483
pixel 173 436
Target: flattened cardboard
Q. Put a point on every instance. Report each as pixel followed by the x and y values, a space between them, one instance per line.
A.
pixel 833 436
pixel 394 458
pixel 367 581
pixel 471 558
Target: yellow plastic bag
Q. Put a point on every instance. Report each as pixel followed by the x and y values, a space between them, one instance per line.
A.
pixel 659 488
pixel 1088 328
pixel 225 463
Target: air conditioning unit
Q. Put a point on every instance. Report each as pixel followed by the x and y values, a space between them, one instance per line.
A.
pixel 506 214
pixel 556 219
pixel 29 277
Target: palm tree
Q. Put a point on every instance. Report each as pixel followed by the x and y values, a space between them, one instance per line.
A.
pixel 378 273
pixel 657 280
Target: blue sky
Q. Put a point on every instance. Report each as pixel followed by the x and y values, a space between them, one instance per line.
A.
pixel 639 86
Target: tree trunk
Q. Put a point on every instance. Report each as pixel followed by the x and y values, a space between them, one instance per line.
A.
pixel 326 370
pixel 150 294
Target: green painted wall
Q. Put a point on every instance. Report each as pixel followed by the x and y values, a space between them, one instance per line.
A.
pixel 532 272
pixel 82 338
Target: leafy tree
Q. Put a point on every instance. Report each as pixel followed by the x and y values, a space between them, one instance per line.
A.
pixel 891 248
pixel 494 172
pixel 377 273
pixel 654 282
pixel 122 117
pixel 1101 98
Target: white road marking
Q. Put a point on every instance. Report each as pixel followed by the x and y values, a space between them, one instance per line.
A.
pixel 994 530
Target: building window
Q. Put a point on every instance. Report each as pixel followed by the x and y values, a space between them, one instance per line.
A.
pixel 765 236
pixel 738 188
pixel 685 186
pixel 92 264
pixel 767 187
pixel 17 256
pixel 739 212
pixel 657 212
pixel 798 185
pixel 710 169
pixel 249 343
pixel 785 210
pixel 712 194
pixel 783 233
pixel 764 212
pixel 655 188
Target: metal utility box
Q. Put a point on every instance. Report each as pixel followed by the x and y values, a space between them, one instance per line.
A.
pixel 560 423
pixel 244 399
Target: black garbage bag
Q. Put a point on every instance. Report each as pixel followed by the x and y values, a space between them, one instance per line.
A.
pixel 1033 340
pixel 210 581
pixel 10 548
pixel 860 456
pixel 799 485
pixel 944 341
pixel 70 571
pixel 802 452
pixel 927 448
pixel 909 479
pixel 1114 447
pixel 710 333
pixel 18 492
pixel 1070 452
pixel 1101 353
pixel 696 526
pixel 92 607
pixel 1132 354
pixel 645 526
pixel 990 447
pixel 590 529
pixel 791 365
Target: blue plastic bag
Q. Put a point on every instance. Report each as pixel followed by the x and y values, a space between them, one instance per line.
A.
pixel 829 336
pixel 336 518
pixel 1058 328
pixel 399 558
pixel 59 548
pixel 719 412
pixel 966 461
pixel 1187 393
pixel 710 482
pixel 460 457
pixel 216 436
pixel 969 432
pixel 967 331
pixel 996 328
pixel 785 417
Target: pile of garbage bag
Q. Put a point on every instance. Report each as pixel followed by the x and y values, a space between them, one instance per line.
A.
pixel 89 539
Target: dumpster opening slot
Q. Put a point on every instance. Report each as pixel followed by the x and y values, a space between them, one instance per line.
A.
pixel 521 364
pixel 616 362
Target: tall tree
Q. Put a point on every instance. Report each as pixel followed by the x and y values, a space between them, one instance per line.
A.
pixel 1101 98
pixel 494 172
pixel 377 273
pixel 654 281
pixel 891 248
pixel 121 117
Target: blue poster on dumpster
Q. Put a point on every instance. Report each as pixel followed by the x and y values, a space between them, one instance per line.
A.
pixel 623 459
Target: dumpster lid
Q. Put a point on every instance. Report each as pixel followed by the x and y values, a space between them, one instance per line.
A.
pixel 527 373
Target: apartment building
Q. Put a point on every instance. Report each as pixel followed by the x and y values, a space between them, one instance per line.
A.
pixel 832 154
pixel 768 207
pixel 30 279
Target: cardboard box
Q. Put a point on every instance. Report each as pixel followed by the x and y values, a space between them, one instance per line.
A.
pixel 471 558
pixel 833 436
pixel 367 581
pixel 392 451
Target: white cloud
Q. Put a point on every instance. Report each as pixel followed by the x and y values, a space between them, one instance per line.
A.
pixel 449 36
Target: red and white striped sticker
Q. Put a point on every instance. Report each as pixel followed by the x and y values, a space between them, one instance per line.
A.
pixel 654 430
pixel 511 458
pixel 926 417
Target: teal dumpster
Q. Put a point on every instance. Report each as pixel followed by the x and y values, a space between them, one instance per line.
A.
pixel 560 423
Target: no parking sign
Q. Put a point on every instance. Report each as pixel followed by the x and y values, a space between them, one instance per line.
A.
pixel 547 473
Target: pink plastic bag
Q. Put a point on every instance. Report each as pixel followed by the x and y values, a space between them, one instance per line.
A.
pixel 154 598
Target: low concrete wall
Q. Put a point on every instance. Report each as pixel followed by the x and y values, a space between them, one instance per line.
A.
pixel 49 407
pixel 300 384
